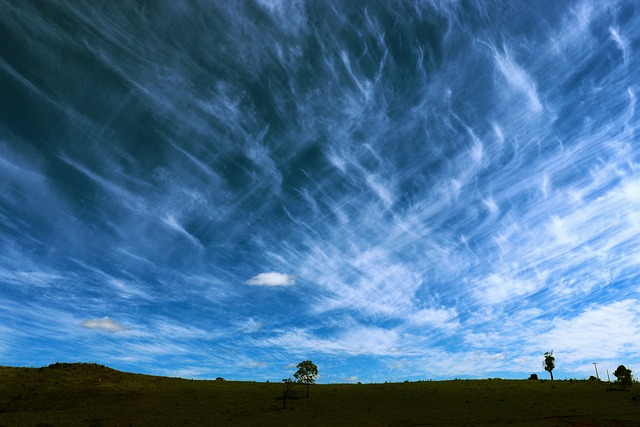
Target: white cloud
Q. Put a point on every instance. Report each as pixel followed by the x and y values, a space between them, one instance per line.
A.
pixel 606 333
pixel 497 288
pixel 444 319
pixel 127 289
pixel 250 326
pixel 172 222
pixel 582 245
pixel 477 150
pixel 272 279
pixel 620 42
pixel 601 332
pixel 518 79
pixel 370 280
pixel 381 190
pixel 560 187
pixel 168 329
pixel 562 231
pixel 491 205
pixel 188 372
pixel 129 199
pixel 34 278
pixel 440 363
pixel 105 324
pixel 149 350
pixel 360 340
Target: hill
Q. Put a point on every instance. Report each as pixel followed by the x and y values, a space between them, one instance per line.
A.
pixel 94 395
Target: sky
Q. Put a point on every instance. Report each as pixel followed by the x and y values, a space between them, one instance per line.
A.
pixel 395 190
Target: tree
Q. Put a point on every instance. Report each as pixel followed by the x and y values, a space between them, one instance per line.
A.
pixel 623 376
pixel 549 363
pixel 288 385
pixel 307 373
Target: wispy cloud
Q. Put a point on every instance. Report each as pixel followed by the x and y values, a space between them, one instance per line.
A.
pixel 621 43
pixel 602 332
pixel 498 288
pixel 443 319
pixel 250 326
pixel 173 223
pixel 371 281
pixel 360 340
pixel 517 78
pixel 439 203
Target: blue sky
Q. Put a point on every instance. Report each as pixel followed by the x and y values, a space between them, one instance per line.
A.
pixel 394 190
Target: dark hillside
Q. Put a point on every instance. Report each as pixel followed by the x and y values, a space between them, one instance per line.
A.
pixel 94 395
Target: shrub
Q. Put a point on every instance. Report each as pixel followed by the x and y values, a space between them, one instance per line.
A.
pixel 533 377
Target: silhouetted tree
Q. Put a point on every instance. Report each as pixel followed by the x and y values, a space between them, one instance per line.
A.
pixel 534 377
pixel 288 385
pixel 549 363
pixel 307 373
pixel 623 376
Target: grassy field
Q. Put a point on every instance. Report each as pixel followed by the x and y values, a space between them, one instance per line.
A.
pixel 94 395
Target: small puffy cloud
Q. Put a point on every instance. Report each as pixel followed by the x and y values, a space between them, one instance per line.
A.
pixel 272 279
pixel 105 324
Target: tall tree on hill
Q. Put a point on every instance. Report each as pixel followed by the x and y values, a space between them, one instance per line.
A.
pixel 307 373
pixel 549 363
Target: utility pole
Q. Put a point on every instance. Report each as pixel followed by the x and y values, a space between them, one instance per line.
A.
pixel 596 365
